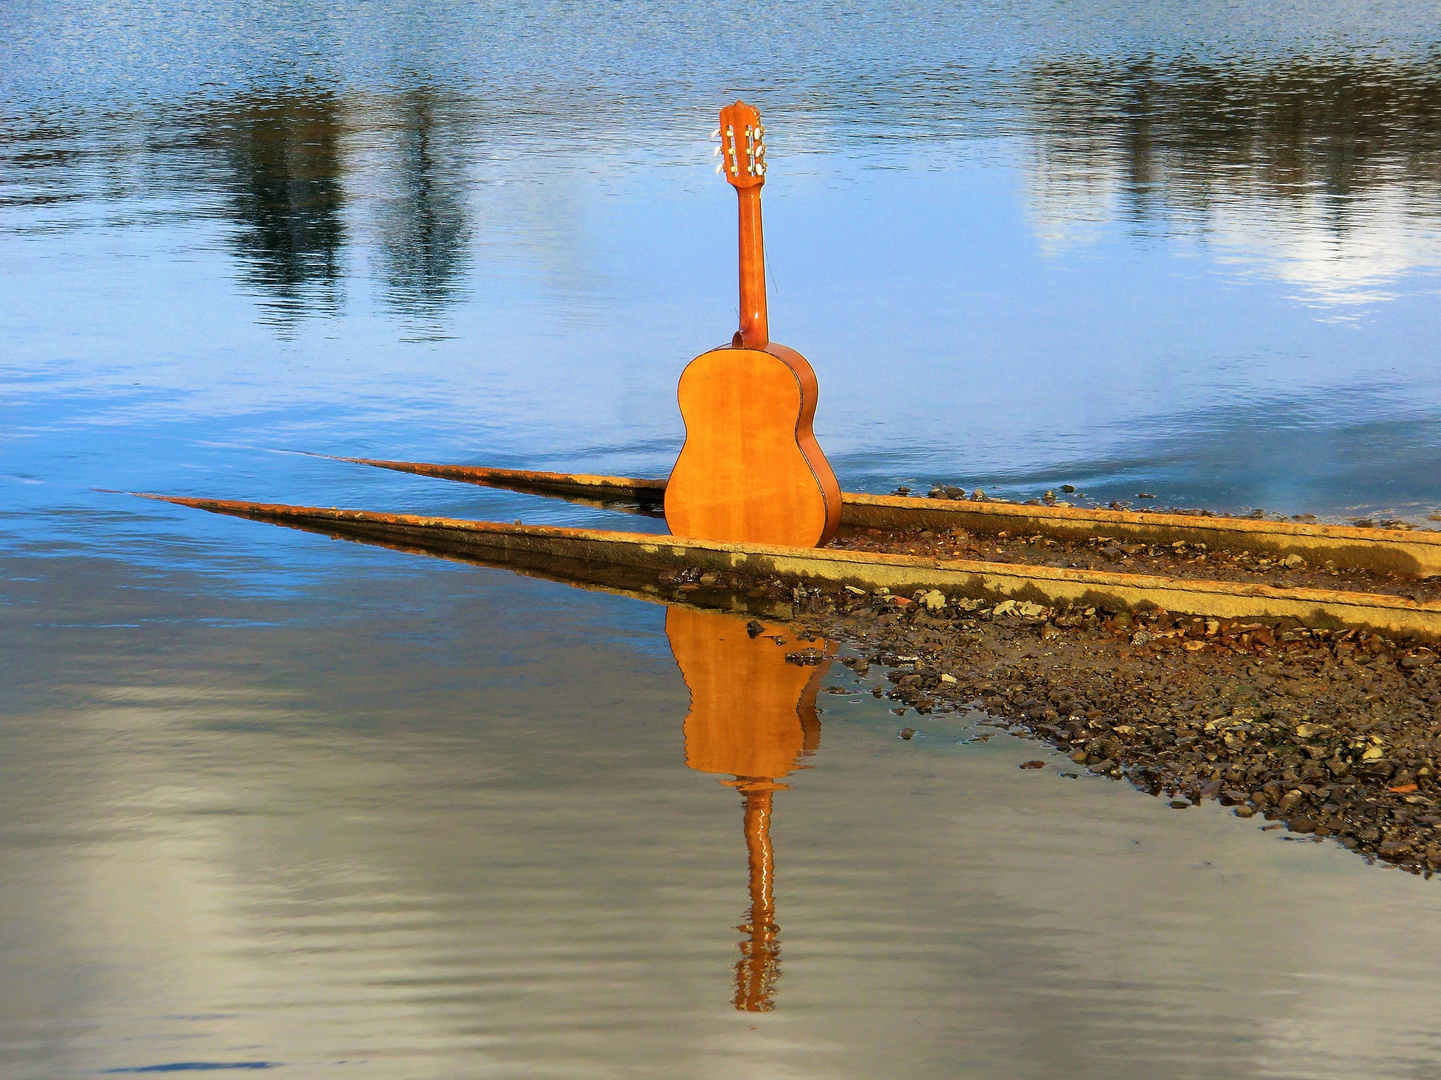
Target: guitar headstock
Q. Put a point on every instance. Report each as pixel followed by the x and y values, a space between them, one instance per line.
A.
pixel 742 146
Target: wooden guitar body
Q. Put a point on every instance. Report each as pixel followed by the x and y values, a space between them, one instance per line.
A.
pixel 750 470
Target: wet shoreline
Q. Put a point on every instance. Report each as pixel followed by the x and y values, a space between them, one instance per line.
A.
pixel 1324 733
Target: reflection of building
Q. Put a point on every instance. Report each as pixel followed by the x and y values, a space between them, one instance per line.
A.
pixel 752 716
pixel 1327 173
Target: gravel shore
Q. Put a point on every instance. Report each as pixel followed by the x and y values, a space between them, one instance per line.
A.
pixel 1324 733
pixel 1179 559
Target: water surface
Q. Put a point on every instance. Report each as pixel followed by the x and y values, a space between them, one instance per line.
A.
pixel 275 801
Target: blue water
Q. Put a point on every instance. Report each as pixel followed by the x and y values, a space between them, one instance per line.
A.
pixel 269 798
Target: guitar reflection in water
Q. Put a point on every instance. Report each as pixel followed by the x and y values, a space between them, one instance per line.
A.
pixel 752 716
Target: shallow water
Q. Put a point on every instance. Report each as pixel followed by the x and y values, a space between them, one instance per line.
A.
pixel 272 799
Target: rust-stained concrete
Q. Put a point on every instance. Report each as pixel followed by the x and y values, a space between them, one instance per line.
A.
pixel 1416 553
pixel 617 492
pixel 502 544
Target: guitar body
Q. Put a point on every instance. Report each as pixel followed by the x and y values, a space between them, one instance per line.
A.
pixel 750 470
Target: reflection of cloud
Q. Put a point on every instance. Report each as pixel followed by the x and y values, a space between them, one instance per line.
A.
pixel 1070 192
pixel 1383 240
pixel 1383 236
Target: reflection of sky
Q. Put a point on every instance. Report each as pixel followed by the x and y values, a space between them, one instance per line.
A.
pixel 263 790
pixel 438 821
pixel 958 347
pixel 1008 273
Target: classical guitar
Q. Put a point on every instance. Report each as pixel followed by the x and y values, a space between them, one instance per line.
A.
pixel 750 470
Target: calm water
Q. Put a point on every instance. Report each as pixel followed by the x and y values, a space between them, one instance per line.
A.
pixel 270 800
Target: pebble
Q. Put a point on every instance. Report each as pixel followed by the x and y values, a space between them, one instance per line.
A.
pixel 1312 731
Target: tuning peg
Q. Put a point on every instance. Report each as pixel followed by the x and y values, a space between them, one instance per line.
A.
pixel 716 152
pixel 715 134
pixel 720 168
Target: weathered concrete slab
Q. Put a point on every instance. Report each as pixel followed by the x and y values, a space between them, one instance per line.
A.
pixel 501 544
pixel 1415 553
pixel 617 492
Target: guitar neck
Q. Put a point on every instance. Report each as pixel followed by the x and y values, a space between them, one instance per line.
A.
pixel 754 328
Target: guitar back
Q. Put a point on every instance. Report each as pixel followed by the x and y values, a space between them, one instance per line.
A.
pixel 750 470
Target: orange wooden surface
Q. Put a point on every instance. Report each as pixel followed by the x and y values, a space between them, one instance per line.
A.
pixel 743 154
pixel 752 714
pixel 751 470
pixel 755 322
pixel 806 438
pixel 743 163
pixel 744 474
